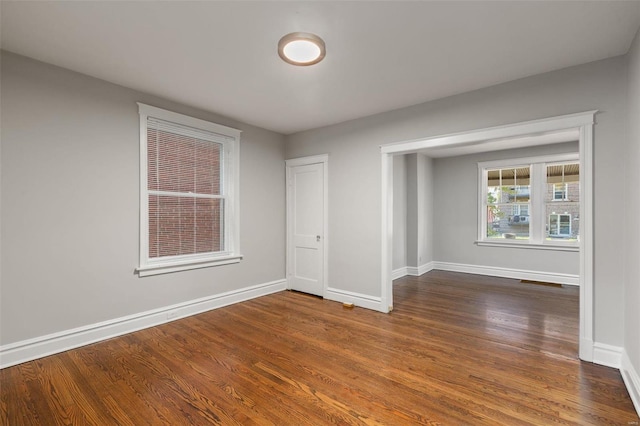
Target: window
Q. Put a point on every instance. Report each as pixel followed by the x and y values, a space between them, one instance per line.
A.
pixel 189 180
pixel 559 225
pixel 530 202
pixel 508 194
pixel 559 191
pixel 562 198
pixel 521 210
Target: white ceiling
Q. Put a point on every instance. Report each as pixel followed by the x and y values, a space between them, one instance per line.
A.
pixel 222 56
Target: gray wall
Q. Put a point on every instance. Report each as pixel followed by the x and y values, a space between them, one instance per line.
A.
pixel 354 181
pixel 419 210
pixel 413 209
pixel 399 212
pixel 456 216
pixel 70 201
pixel 426 209
pixel 632 228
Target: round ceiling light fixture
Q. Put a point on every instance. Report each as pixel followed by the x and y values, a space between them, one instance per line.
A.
pixel 301 49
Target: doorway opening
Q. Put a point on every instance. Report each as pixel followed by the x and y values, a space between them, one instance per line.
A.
pixel 519 135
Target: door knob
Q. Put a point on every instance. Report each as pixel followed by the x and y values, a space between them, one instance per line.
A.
pixel 318 238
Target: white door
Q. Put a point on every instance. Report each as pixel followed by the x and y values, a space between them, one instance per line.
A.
pixel 306 209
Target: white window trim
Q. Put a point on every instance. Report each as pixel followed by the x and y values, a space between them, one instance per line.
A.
pixel 231 181
pixel 537 215
pixel 560 214
pixel 564 191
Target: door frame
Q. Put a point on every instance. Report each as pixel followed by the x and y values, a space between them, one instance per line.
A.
pixel 290 164
pixel 582 122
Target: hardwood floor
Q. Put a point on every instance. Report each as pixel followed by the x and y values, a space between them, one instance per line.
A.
pixel 458 349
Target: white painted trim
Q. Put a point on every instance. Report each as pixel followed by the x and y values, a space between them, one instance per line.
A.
pixel 586 348
pixel 538 179
pixel 583 122
pixel 151 111
pixel 529 246
pixel 427 267
pixel 544 125
pixel 386 235
pixel 166 268
pixel 607 355
pixel 399 273
pixel 422 269
pixel 27 350
pixel 587 260
pixel 519 274
pixel 411 271
pixel 304 161
pixel 358 299
pixel 230 141
pixel 526 161
pixel 631 380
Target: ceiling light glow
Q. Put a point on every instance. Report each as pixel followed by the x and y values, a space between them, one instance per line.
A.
pixel 301 49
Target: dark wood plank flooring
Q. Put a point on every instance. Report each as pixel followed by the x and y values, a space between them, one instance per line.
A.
pixel 458 349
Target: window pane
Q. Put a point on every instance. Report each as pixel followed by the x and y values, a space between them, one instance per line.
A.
pixel 565 225
pixel 553 224
pixel 179 163
pixel 503 223
pixel 184 225
pixel 508 195
pixel 562 173
pixel 563 182
pixel 562 200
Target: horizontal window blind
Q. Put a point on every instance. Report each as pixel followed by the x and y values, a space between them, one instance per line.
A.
pixel 185 189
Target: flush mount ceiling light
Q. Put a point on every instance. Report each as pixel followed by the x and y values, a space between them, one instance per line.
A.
pixel 301 49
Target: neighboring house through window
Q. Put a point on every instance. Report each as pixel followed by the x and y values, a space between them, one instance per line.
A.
pixel 530 202
pixel 560 191
pixel 560 225
pixel 189 181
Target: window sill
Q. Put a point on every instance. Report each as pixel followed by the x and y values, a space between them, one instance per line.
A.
pixel 530 246
pixel 185 265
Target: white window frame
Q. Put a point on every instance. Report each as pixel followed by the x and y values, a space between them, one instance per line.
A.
pixel 564 191
pixel 537 207
pixel 230 178
pixel 558 234
pixel 517 209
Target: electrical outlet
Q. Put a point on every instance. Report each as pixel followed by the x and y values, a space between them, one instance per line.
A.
pixel 172 314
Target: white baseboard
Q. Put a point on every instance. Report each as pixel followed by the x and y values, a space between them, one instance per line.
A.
pixel 358 299
pixel 586 349
pixel 399 273
pixel 27 350
pixel 411 270
pixel 631 380
pixel 422 269
pixel 607 355
pixel 520 274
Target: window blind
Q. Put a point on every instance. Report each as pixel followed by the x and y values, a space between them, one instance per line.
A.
pixel 185 189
